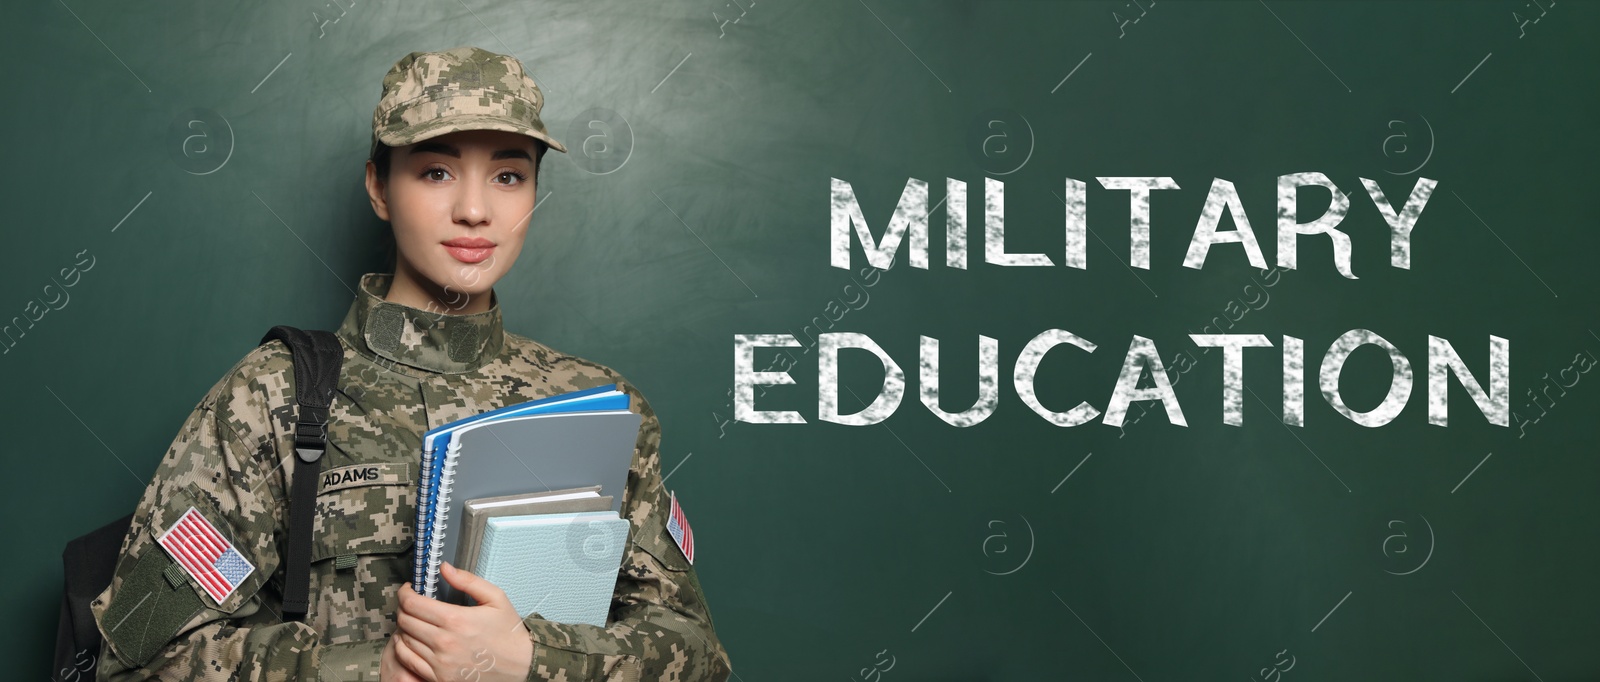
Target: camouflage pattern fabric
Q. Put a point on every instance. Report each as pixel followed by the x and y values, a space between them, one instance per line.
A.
pixel 426 94
pixel 405 371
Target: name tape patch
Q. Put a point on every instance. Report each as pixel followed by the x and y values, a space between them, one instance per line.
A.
pixel 385 473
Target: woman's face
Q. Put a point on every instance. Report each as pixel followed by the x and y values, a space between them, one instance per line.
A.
pixel 459 204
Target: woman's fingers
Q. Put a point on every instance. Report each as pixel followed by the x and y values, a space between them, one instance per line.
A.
pixel 482 591
pixel 411 660
pixel 426 608
pixel 421 630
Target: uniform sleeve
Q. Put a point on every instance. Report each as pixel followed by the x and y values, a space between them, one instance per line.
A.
pixel 161 620
pixel 660 627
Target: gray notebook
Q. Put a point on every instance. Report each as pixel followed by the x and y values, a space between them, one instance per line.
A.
pixel 530 453
pixel 480 510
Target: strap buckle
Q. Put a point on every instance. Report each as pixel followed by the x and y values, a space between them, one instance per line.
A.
pixel 310 440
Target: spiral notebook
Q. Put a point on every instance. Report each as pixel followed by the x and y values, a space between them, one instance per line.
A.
pixel 435 442
pixel 576 439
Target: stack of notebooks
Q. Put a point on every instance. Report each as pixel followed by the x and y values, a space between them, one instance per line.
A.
pixel 529 498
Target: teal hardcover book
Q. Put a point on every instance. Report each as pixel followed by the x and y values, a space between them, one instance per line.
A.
pixel 563 566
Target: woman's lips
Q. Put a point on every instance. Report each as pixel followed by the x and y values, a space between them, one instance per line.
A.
pixel 470 255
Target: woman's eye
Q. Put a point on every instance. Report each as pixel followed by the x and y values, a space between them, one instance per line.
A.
pixel 514 177
pixel 429 174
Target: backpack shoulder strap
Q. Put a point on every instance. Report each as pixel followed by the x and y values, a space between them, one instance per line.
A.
pixel 317 359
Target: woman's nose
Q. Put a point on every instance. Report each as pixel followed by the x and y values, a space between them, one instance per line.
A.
pixel 471 208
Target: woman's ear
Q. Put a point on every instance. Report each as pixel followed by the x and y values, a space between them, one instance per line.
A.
pixel 378 192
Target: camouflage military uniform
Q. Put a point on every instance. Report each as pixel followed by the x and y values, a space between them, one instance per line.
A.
pixel 405 371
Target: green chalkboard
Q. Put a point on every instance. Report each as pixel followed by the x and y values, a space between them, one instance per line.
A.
pixel 200 165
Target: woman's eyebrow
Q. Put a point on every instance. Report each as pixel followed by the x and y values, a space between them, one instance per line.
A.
pixel 511 154
pixel 451 150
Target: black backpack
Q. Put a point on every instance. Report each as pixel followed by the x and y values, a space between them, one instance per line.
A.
pixel 90 561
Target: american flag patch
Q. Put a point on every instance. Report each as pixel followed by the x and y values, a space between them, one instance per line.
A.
pixel 207 556
pixel 678 528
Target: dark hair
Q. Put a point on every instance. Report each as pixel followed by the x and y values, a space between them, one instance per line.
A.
pixel 382 153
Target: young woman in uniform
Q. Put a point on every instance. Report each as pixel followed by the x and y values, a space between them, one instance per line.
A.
pixel 457 143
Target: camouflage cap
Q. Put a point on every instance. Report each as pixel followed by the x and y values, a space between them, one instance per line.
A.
pixel 427 94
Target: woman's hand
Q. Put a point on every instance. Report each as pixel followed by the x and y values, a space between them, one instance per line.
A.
pixel 483 643
pixel 390 667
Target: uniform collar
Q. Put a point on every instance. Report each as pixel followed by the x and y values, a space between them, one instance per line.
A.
pixel 434 342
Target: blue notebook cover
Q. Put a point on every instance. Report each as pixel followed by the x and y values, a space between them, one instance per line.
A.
pixel 563 566
pixel 436 440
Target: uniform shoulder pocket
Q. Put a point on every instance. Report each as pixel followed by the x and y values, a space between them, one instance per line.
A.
pixel 655 541
pixel 189 558
pixel 679 585
pixel 148 609
pixel 220 559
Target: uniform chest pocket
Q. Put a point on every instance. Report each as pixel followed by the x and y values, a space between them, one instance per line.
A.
pixel 364 509
pixel 360 554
